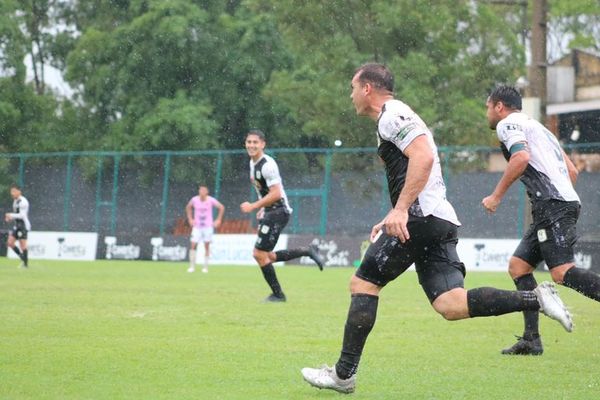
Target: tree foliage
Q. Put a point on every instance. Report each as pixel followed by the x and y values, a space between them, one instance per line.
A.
pixel 574 24
pixel 197 74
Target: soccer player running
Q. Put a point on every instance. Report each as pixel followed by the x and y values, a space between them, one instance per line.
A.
pixel 199 212
pixel 273 214
pixel 535 157
pixel 421 228
pixel 21 225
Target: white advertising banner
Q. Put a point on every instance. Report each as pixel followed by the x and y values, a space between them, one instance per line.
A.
pixel 234 249
pixel 486 254
pixel 61 246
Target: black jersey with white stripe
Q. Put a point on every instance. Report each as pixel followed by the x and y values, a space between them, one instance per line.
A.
pixel 398 125
pixel 263 174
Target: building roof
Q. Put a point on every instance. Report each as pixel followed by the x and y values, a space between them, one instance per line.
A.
pixel 576 106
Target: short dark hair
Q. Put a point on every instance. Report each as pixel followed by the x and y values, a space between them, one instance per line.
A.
pixel 15 186
pixel 377 75
pixel 508 95
pixel 256 132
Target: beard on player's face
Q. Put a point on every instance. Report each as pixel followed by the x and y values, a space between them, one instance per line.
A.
pixel 492 115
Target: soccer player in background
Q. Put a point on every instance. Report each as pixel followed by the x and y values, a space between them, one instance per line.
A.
pixel 535 157
pixel 421 228
pixel 199 212
pixel 21 225
pixel 273 214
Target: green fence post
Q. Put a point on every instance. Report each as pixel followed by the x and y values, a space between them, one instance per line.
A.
pixel 21 170
pixel 165 193
pixel 325 193
pixel 113 213
pixel 98 194
pixel 67 197
pixel 219 174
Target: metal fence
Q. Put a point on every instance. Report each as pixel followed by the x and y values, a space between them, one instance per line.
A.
pixel 332 191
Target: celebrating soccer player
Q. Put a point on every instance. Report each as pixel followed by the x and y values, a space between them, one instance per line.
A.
pixel 273 213
pixel 535 157
pixel 421 228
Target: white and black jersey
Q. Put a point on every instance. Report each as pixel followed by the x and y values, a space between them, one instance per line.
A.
pixel 265 173
pixel 547 176
pixel 397 127
pixel 20 213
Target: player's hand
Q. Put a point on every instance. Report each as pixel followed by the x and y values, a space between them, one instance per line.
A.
pixel 217 224
pixel 395 224
pixel 375 231
pixel 246 207
pixel 490 203
pixel 191 222
pixel 7 217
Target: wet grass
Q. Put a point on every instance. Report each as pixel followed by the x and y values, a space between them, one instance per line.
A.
pixel 143 330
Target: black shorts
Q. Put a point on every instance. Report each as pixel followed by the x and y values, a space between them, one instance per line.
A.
pixel 270 227
pixel 552 234
pixel 19 232
pixel 432 248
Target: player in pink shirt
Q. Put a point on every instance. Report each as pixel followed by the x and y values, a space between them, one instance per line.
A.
pixel 199 212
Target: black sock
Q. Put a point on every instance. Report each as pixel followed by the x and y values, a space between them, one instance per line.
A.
pixel 531 318
pixel 269 274
pixel 285 255
pixel 360 321
pixel 25 257
pixel 487 301
pixel 584 281
pixel 17 251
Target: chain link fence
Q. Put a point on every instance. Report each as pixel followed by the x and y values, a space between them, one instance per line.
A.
pixel 339 191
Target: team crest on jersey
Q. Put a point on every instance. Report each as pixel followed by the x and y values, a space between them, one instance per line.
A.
pixel 258 175
pixel 542 236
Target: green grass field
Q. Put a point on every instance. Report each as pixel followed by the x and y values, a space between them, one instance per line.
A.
pixel 144 330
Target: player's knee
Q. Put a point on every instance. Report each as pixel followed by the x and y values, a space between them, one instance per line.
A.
pixel 558 273
pixel 448 312
pixel 358 285
pixel 452 305
pixel 261 257
pixel 518 268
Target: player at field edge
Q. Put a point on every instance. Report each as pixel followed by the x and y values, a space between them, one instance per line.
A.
pixel 535 157
pixel 21 227
pixel 421 228
pixel 273 214
pixel 199 211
